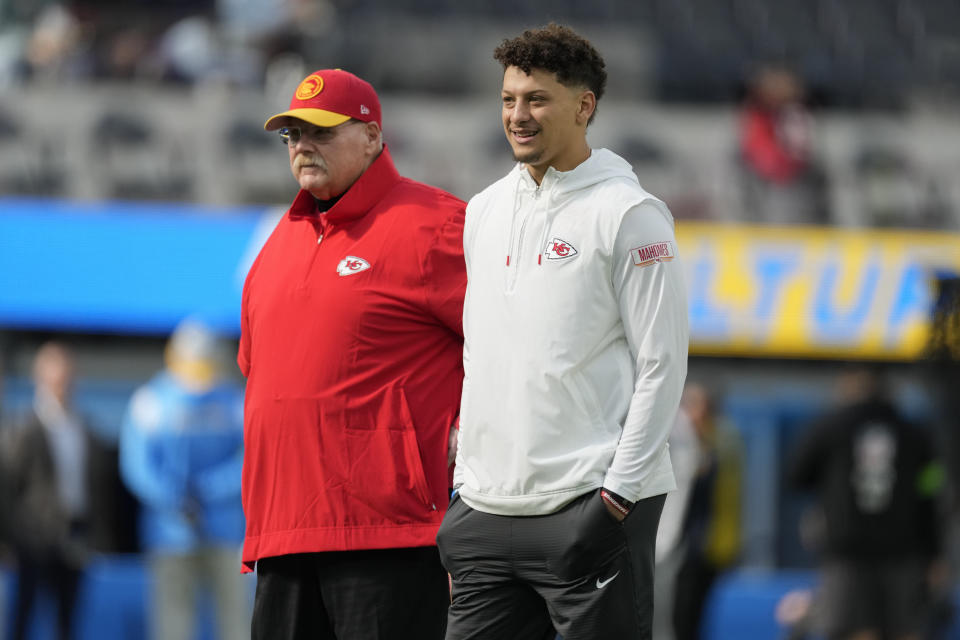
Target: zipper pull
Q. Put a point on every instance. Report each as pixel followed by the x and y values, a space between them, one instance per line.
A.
pixel 320 227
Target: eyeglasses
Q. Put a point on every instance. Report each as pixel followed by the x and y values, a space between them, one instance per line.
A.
pixel 292 135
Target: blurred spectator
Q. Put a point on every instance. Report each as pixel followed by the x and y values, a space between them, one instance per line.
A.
pixel 60 494
pixel 181 451
pixel 189 51
pixel 238 41
pixel 684 455
pixel 16 22
pixel 710 538
pixel 57 48
pixel 877 484
pixel 124 53
pixel 781 181
pixel 942 370
pixel 255 32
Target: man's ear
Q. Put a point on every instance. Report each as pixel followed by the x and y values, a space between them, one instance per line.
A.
pixel 372 130
pixel 586 106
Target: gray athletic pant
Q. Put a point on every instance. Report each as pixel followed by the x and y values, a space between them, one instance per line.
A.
pixel 177 581
pixel 578 572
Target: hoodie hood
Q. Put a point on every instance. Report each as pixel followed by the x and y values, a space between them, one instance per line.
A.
pixel 602 165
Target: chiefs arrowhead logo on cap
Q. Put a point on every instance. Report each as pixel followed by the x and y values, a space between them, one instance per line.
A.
pixel 311 86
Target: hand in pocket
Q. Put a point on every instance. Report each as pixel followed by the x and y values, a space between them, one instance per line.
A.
pixel 596 539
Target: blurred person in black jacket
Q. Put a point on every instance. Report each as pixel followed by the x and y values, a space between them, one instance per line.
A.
pixel 711 537
pixel 62 497
pixel 878 484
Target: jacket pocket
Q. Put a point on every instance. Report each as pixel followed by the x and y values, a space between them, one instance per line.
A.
pixel 385 477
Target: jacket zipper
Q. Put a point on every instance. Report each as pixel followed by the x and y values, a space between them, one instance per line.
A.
pixel 321 229
pixel 514 268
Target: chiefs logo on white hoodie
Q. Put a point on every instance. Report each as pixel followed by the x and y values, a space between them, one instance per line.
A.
pixel 558 249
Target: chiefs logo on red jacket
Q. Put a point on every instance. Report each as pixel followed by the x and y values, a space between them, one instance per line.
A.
pixel 351 265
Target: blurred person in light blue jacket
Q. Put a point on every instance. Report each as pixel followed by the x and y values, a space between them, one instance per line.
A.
pixel 181 452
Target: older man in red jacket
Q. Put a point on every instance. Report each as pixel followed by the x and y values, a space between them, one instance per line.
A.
pixel 352 346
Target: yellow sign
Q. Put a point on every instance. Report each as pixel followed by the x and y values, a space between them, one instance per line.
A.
pixel 811 292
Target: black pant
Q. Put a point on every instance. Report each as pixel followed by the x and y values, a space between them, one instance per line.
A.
pixel 383 594
pixel 57 576
pixel 578 572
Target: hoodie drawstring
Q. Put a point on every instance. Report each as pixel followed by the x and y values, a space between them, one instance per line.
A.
pixel 547 224
pixel 513 217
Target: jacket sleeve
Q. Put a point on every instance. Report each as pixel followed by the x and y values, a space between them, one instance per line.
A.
pixel 14 455
pixel 243 353
pixel 143 467
pixel 445 273
pixel 650 290
pixel 35 518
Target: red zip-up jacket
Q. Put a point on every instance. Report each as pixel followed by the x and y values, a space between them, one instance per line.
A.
pixel 352 345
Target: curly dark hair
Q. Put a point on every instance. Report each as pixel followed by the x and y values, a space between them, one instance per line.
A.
pixel 559 50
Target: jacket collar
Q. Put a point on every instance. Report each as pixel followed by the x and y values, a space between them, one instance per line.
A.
pixel 601 165
pixel 356 201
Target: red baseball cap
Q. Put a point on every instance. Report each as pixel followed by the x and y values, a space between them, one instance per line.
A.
pixel 329 97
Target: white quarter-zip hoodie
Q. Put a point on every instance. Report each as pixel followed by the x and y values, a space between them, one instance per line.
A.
pixel 575 328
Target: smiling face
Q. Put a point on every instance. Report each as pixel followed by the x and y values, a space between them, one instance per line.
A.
pixel 545 121
pixel 327 160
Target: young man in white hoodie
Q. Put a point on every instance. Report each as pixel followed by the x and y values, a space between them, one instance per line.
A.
pixel 575 325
